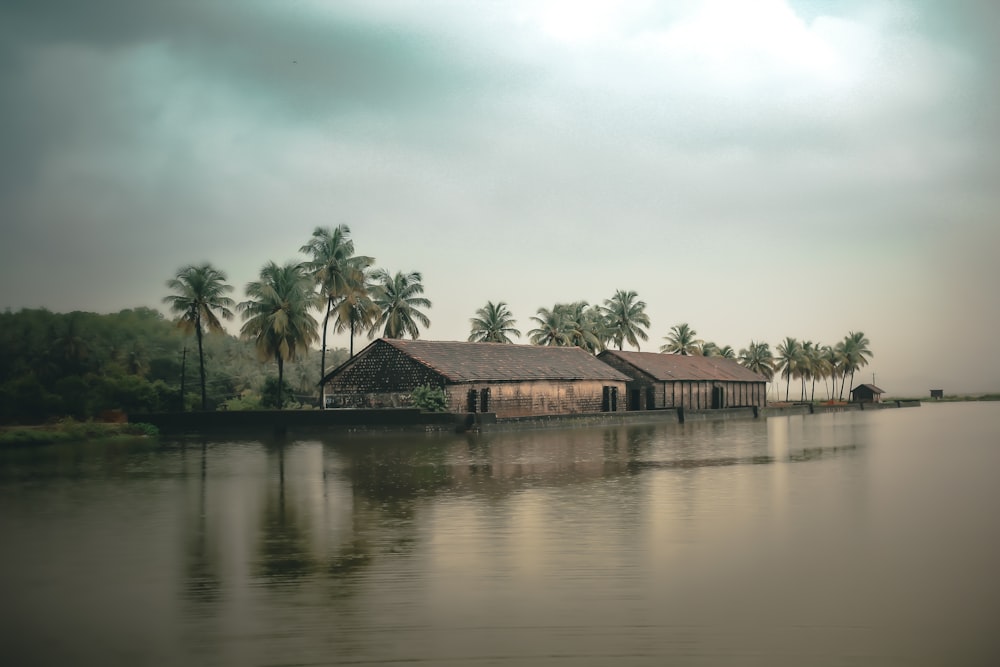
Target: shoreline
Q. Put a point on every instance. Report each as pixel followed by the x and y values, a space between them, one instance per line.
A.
pixel 310 422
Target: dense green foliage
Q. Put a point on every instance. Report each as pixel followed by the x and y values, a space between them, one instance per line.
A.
pixel 81 364
pixel 429 399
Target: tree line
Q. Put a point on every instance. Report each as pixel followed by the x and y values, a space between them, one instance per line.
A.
pixel 65 366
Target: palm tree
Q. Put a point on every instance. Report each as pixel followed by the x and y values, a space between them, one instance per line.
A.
pixel 856 353
pixel 831 363
pixel 277 316
pixel 625 318
pixel 356 311
pixel 493 323
pixel 681 340
pixel 395 297
pixel 200 298
pixel 712 349
pixel 588 328
pixel 809 366
pixel 338 272
pixel 758 358
pixel 789 356
pixel 554 327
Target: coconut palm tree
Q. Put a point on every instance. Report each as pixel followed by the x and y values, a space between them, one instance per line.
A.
pixel 398 304
pixel 625 318
pixel 856 353
pixel 356 311
pixel 831 361
pixel 554 327
pixel 681 340
pixel 493 323
pixel 200 299
pixel 588 328
pixel 338 272
pixel 789 360
pixel 758 358
pixel 809 366
pixel 277 317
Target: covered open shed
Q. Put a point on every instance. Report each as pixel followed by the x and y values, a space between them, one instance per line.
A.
pixel 689 382
pixel 866 393
pixel 508 380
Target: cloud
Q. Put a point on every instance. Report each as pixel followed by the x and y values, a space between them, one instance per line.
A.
pixel 530 152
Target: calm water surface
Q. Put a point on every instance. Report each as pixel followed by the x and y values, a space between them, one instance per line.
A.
pixel 846 539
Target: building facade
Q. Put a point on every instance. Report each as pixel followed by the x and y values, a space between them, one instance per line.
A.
pixel 508 380
pixel 661 381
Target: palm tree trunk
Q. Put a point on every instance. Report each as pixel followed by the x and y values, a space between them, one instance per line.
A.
pixel 281 380
pixel 201 364
pixel 184 355
pixel 352 337
pixel 788 383
pixel 322 354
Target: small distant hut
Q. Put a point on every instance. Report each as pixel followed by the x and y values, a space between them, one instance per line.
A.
pixel 866 393
pixel 508 380
pixel 691 382
pixel 937 393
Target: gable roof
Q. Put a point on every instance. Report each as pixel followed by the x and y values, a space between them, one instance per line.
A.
pixel 492 362
pixel 669 367
pixel 870 387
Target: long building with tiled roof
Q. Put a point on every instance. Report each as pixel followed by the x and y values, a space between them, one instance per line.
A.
pixel 508 380
pixel 682 381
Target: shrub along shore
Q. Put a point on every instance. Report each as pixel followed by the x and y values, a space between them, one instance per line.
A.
pixel 71 431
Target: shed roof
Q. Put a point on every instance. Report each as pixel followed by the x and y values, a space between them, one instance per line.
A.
pixel 669 367
pixel 497 362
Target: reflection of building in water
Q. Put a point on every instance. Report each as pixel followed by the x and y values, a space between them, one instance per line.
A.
pixel 689 382
pixel 508 380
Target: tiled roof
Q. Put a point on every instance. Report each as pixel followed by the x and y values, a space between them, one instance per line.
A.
pixel 667 367
pixel 482 362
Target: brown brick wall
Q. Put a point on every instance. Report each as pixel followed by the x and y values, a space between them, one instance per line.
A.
pixel 524 399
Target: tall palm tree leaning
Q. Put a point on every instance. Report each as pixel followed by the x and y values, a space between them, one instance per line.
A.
pixel 398 304
pixel 338 272
pixel 789 360
pixel 625 318
pixel 277 314
pixel 856 353
pixel 493 323
pixel 200 298
pixel 681 340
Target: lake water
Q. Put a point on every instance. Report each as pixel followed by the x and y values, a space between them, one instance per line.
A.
pixel 868 538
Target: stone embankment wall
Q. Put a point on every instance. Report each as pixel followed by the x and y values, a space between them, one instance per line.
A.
pixel 305 422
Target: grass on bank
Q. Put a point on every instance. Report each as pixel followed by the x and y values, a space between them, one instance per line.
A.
pixel 71 431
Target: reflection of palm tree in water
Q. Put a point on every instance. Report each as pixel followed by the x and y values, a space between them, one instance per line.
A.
pixel 202 582
pixel 284 552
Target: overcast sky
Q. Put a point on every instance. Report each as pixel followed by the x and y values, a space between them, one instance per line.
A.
pixel 758 169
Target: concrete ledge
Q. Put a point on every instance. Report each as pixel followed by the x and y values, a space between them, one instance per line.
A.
pixel 302 421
